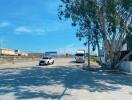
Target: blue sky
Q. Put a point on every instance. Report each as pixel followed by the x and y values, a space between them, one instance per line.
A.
pixel 33 25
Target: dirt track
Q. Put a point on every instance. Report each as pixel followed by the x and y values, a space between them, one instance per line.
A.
pixel 65 80
pixel 58 62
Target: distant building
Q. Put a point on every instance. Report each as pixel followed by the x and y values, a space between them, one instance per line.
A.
pixel 35 54
pixel 21 53
pixel 8 52
pixel 24 54
pixel 128 47
pixel 68 55
pixel 18 52
pixel 127 64
pixel 54 53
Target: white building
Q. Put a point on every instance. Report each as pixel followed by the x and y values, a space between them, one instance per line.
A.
pixel 20 53
pixel 127 64
pixel 6 51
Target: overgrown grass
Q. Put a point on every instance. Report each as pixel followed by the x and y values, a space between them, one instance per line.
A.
pixel 92 59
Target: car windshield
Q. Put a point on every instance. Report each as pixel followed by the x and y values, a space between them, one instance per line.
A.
pixel 79 55
pixel 45 58
pixel 41 61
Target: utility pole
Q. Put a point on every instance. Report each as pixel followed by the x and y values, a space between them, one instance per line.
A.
pixel 88 50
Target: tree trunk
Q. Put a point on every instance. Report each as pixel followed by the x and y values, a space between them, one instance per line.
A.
pixel 99 52
pixel 117 65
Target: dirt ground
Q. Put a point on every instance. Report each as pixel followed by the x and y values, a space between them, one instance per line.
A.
pixel 65 80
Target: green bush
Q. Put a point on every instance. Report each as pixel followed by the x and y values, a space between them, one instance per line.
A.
pixel 93 59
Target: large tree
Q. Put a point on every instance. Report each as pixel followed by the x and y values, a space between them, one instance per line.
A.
pixel 109 19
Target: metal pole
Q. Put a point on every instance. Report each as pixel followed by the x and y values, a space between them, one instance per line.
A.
pixel 88 51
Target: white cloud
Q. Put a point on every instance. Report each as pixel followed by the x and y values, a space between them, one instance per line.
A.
pixel 29 31
pixel 4 24
pixel 34 31
pixel 40 30
pixel 23 29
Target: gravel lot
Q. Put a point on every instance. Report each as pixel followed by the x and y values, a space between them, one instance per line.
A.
pixel 65 80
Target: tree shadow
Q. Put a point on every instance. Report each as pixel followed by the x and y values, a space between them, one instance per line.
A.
pixel 25 81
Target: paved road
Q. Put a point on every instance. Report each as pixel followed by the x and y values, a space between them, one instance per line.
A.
pixel 65 80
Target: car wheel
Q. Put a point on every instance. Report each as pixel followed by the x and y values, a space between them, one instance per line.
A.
pixel 53 62
pixel 48 63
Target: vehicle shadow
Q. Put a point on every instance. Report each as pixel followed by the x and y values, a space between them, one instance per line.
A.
pixel 73 61
pixel 28 83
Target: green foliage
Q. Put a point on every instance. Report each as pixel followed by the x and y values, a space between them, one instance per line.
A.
pixel 127 4
pixel 100 19
pixel 93 59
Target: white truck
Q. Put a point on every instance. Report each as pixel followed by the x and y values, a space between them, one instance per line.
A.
pixel 80 56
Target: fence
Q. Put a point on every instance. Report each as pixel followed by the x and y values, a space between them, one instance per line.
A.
pixel 17 59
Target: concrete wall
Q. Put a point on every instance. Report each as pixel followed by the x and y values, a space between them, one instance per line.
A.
pixel 124 48
pixel 17 59
pixel 126 66
pixel 103 59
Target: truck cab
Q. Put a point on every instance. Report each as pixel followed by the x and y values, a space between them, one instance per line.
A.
pixel 80 56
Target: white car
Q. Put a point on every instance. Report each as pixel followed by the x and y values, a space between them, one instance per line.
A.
pixel 46 61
